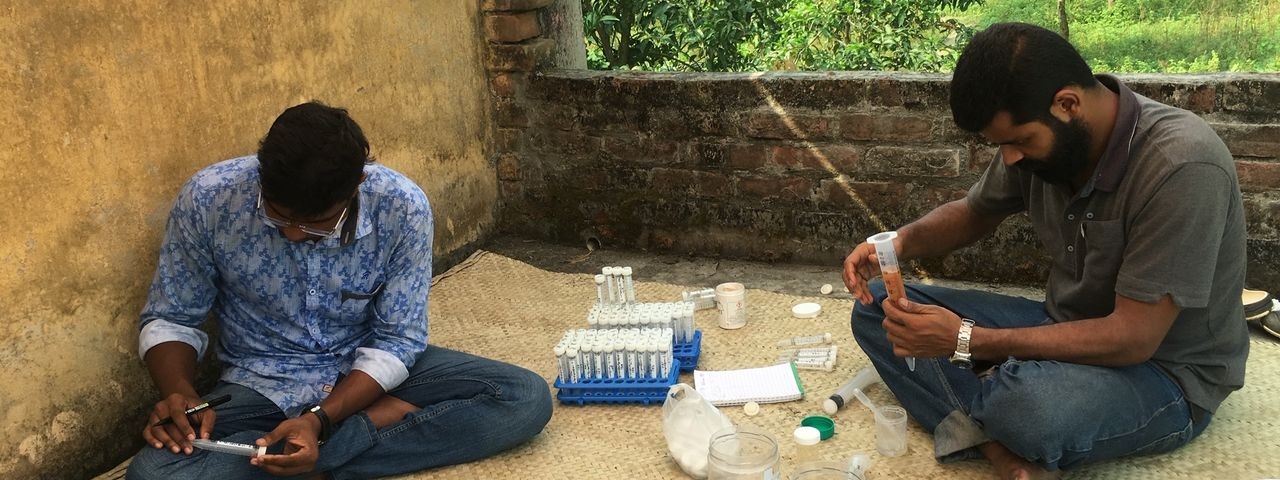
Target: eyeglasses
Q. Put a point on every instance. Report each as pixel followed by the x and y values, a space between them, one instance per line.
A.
pixel 281 223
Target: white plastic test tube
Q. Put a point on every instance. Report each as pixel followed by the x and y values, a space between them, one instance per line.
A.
pixel 608 285
pixel 888 258
pixel 815 364
pixel 811 352
pixel 574 368
pixel 599 289
pixel 622 285
pixel 632 353
pixel 560 365
pixel 630 287
pixel 664 349
pixel 806 340
pixel 610 368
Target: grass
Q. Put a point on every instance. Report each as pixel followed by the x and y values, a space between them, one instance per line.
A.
pixel 1169 36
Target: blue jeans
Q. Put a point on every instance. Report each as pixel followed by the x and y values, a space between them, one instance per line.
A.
pixel 1059 415
pixel 471 408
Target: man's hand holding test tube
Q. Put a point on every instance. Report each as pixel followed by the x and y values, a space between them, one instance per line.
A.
pixel 925 330
pixel 887 257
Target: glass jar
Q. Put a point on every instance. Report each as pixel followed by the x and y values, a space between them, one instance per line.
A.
pixel 821 470
pixel 743 452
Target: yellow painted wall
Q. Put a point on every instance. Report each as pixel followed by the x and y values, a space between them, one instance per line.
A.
pixel 109 105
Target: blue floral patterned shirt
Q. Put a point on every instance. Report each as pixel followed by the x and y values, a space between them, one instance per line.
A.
pixel 293 316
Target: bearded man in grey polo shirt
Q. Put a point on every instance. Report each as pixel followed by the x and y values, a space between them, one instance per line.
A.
pixel 1140 336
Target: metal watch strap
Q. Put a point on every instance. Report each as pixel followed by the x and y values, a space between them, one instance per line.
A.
pixel 326 427
pixel 962 355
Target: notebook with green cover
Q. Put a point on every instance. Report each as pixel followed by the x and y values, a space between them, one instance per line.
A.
pixel 778 383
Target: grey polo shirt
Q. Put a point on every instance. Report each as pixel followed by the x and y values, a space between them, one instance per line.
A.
pixel 1162 215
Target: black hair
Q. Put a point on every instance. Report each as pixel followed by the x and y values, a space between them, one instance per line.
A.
pixel 312 159
pixel 1013 67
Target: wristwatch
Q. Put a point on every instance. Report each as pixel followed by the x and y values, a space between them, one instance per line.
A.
pixel 962 358
pixel 326 428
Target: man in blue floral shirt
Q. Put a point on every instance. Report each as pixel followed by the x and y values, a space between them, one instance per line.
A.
pixel 316 264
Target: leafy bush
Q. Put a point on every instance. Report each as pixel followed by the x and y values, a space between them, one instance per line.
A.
pixel 920 35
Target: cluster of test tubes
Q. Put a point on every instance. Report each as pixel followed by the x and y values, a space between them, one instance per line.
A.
pixel 614 286
pixel 677 317
pixel 620 354
pixel 813 352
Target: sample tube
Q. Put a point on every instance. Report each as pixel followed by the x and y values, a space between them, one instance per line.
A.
pixel 561 369
pixel 815 364
pixel 888 257
pixel 851 389
pixel 599 289
pixel 805 340
pixel 630 287
pixel 608 278
pixel 574 368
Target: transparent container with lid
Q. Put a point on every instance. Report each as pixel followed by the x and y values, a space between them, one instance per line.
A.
pixel 743 452
pixel 823 470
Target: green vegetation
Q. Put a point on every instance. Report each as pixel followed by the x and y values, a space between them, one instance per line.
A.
pixel 921 35
pixel 1156 35
pixel 752 35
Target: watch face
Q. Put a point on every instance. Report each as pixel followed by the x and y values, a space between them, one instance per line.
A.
pixel 962 363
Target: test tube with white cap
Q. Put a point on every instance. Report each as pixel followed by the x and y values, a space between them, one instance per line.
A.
pixel 599 289
pixel 560 365
pixel 630 287
pixel 607 273
pixel 888 258
pixel 806 340
pixel 574 368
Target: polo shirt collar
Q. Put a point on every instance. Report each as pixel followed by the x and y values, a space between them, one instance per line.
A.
pixel 1112 165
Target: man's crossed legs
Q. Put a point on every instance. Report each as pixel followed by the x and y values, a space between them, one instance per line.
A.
pixel 453 408
pixel 1026 415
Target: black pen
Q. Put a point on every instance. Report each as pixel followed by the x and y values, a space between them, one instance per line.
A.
pixel 197 409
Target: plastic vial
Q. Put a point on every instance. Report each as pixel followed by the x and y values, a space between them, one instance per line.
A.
pixel 561 369
pixel 599 289
pixel 572 353
pixel 806 439
pixel 631 288
pixel 607 273
pixel 632 360
pixel 888 258
pixel 664 350
pixel 824 365
pixel 806 340
pixel 610 368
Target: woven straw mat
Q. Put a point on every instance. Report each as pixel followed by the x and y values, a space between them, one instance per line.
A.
pixel 503 309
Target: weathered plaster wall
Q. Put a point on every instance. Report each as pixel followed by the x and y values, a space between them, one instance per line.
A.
pixel 802 166
pixel 110 105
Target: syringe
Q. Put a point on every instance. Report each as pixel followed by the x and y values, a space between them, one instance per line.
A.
pixel 853 389
pixel 888 257
pixel 229 447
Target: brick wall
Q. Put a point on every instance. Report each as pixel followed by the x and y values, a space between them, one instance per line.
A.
pixel 800 166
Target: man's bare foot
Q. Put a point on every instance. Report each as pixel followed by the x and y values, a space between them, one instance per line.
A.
pixel 1012 467
pixel 387 410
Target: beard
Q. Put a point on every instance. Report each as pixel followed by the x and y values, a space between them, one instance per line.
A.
pixel 1069 156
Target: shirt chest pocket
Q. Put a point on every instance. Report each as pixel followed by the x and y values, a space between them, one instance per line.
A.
pixel 1101 250
pixel 356 300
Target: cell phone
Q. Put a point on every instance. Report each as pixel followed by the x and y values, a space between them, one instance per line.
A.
pixel 229 447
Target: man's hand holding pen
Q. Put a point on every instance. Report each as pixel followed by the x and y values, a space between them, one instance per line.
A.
pixel 169 426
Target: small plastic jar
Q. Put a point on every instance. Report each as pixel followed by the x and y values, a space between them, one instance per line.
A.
pixel 806 439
